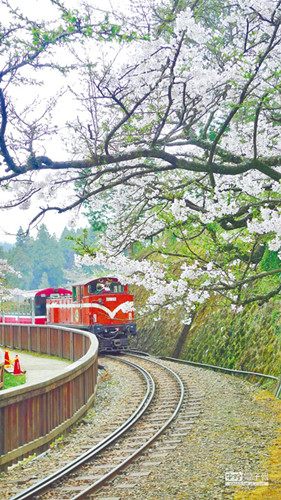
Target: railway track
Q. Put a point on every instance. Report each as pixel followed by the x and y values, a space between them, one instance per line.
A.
pixel 167 401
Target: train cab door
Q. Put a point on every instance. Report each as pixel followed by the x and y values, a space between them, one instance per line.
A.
pixel 40 305
pixel 77 299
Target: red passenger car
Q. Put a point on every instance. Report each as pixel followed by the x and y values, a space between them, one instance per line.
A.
pixel 36 305
pixel 102 305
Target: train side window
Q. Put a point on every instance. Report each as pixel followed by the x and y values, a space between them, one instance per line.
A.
pixel 92 288
pixel 74 293
pixel 117 288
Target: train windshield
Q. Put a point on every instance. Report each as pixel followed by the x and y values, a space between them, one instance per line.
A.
pixel 103 287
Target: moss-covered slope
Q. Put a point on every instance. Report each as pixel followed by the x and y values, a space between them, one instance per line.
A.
pixel 250 340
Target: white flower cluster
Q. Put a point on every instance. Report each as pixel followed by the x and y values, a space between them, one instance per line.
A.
pixel 5 291
pixel 270 223
pixel 179 210
pixel 127 307
pixel 185 22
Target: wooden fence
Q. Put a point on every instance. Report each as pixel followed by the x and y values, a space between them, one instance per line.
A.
pixel 33 415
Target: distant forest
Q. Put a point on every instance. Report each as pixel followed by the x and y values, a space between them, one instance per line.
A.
pixel 44 260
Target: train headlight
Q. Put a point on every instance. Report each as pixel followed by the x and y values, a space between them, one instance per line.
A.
pixel 133 329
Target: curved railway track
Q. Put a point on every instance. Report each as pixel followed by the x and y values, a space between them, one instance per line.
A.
pixel 165 398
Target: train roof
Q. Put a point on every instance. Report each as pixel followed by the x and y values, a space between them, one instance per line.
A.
pixel 38 292
pixel 50 291
pixel 101 279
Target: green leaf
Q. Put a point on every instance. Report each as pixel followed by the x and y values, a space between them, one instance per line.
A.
pixel 212 135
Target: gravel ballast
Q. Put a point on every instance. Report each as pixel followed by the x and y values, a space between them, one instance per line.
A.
pixel 233 433
pixel 115 401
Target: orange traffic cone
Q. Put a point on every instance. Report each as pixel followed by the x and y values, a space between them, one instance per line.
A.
pixel 17 368
pixel 7 361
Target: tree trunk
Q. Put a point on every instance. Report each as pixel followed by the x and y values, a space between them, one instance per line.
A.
pixel 182 338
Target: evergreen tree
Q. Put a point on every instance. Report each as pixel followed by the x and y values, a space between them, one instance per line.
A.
pixel 47 258
pixel 44 283
pixel 67 247
pixel 20 257
pixel 21 237
pixel 2 253
pixel 43 261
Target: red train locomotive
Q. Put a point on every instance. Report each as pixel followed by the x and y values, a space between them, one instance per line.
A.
pixel 103 306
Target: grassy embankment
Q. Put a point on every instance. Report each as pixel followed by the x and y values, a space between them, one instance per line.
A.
pixel 11 380
pixel 272 457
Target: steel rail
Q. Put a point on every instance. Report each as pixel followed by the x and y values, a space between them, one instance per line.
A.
pixel 137 351
pixel 216 368
pixel 105 443
pixel 219 368
pixel 98 484
pixel 278 389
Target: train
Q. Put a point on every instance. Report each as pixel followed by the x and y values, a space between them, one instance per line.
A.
pixel 31 306
pixel 101 305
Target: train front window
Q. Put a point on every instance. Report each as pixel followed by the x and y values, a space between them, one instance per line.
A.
pixel 105 287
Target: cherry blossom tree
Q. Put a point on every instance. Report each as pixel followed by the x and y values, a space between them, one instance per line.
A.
pixel 181 134
pixel 6 292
